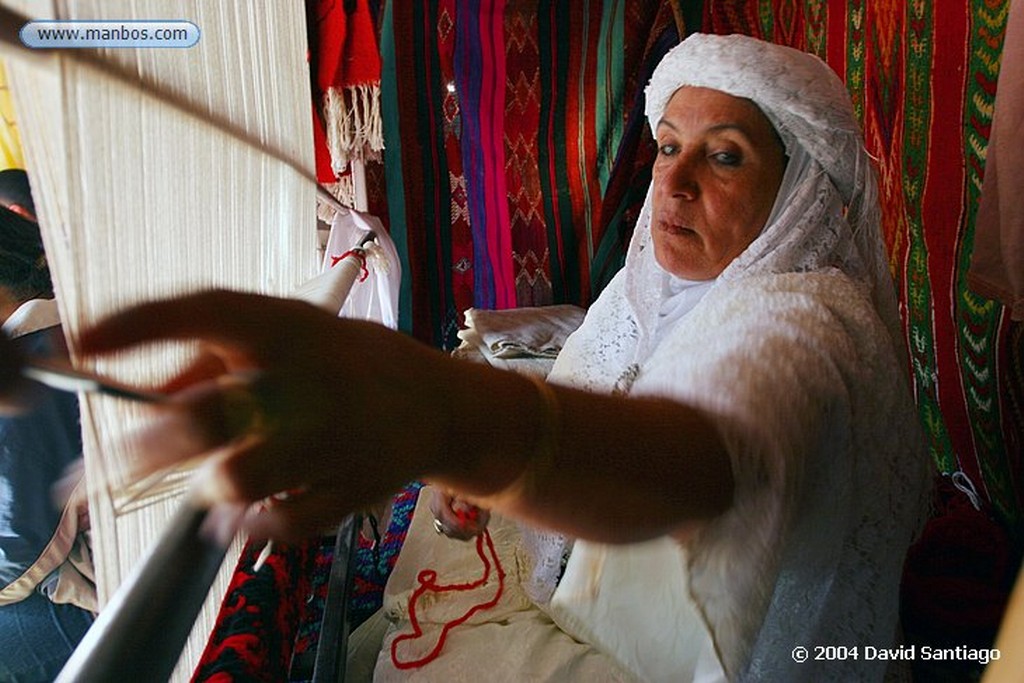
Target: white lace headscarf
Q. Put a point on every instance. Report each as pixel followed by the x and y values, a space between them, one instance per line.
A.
pixel 826 213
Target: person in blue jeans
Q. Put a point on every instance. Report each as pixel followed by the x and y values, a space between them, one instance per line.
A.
pixel 36 448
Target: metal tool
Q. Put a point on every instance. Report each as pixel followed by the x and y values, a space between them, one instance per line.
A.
pixel 61 376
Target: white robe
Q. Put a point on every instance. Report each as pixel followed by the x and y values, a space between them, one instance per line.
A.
pixel 798 370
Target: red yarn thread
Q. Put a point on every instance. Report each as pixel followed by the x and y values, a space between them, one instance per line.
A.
pixel 359 254
pixel 428 581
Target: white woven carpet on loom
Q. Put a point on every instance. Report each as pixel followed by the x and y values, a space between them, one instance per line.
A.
pixel 138 199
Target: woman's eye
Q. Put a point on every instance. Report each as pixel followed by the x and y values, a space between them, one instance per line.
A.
pixel 667 149
pixel 726 158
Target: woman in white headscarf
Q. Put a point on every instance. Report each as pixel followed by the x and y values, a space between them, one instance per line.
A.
pixel 794 347
pixel 755 291
pixel 728 431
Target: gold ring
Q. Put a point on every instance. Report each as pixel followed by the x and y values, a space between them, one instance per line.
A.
pixel 245 412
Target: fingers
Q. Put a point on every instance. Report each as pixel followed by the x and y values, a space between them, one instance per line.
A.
pixel 299 517
pixel 456 518
pixel 217 419
pixel 206 367
pixel 299 424
pixel 472 520
pixel 447 524
pixel 168 440
pixel 236 321
pixel 191 424
pixel 248 471
pixel 248 440
pixel 222 522
pixel 441 503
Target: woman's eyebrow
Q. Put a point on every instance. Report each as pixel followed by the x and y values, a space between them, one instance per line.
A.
pixel 715 128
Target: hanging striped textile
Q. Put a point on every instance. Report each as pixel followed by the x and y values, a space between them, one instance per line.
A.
pixel 138 199
pixel 510 166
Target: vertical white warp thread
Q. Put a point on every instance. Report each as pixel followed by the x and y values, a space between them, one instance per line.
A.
pixel 138 200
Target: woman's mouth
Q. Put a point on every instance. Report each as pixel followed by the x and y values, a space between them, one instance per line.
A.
pixel 675 228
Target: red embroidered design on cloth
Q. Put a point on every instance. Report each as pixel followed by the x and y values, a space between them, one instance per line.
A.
pixel 427 580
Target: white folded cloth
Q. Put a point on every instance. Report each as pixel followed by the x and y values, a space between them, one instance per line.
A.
pixel 524 340
pixel 537 332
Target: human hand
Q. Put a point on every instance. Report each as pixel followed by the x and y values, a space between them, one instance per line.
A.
pixel 284 398
pixel 456 518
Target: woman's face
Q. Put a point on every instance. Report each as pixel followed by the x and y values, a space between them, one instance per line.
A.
pixel 718 169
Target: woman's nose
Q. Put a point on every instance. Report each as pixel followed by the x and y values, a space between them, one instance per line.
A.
pixel 680 178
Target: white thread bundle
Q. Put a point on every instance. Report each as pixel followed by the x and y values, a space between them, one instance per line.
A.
pixel 355 130
pixel 138 200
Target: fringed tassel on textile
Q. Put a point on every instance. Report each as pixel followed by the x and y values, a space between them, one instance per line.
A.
pixel 354 124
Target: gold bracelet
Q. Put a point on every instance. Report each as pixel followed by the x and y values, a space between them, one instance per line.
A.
pixel 539 464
